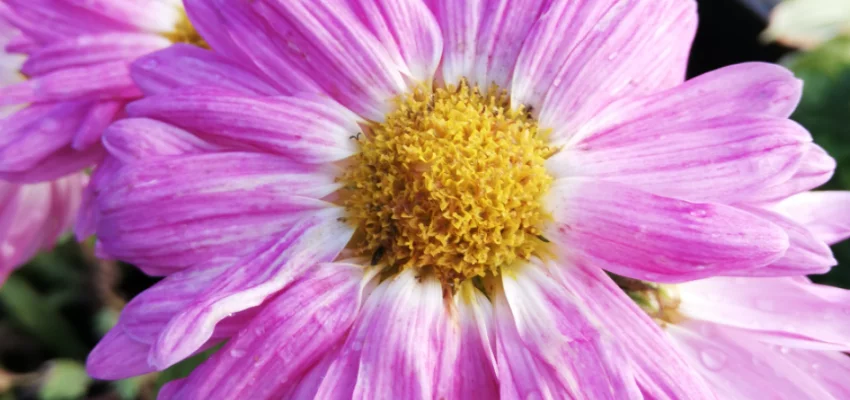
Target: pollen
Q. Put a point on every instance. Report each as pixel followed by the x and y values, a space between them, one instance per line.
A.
pixel 450 182
pixel 184 32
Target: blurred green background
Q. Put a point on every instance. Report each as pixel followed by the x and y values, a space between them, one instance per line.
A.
pixel 53 311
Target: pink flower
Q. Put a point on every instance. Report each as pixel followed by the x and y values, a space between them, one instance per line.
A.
pixel 65 79
pixel 373 198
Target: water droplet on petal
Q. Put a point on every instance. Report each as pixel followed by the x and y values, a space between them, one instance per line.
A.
pixel 237 353
pixel 713 359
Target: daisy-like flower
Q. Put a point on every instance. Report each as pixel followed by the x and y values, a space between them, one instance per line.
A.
pixel 73 81
pixel 777 338
pixel 407 199
pixel 32 216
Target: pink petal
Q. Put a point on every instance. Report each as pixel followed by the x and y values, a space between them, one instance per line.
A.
pixel 139 139
pixel 290 334
pixel 636 47
pixel 61 163
pixel 337 51
pixel 99 116
pixel 823 213
pixel 88 50
pixel 307 128
pixel 182 65
pixel 118 356
pixel 660 369
pixel 30 135
pixel 660 239
pixel 721 159
pixel 806 255
pixel 205 205
pixel 739 369
pixel 547 347
pixel 316 239
pixel 831 369
pixel 814 315
pixel 403 340
pixel 816 168
pixel 459 22
pixel 408 32
pixel 75 84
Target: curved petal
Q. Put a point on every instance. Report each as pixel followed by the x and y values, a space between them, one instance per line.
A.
pixel 780 306
pixel 721 159
pixel 474 373
pixel 659 239
pixel 182 65
pixel 317 238
pixel 205 206
pixel 546 345
pixel 70 84
pixel 330 44
pixel 459 22
pixel 741 369
pixel 133 140
pixel 816 168
pixel 308 129
pixel 404 339
pixel 831 369
pixel 636 47
pixel 826 214
pixel 292 332
pixel 408 32
pixel 659 368
pixel 99 116
pixel 118 356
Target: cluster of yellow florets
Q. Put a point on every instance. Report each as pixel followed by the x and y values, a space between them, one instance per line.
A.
pixel 184 32
pixel 451 182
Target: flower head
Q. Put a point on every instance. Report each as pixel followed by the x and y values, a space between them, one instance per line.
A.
pixel 416 199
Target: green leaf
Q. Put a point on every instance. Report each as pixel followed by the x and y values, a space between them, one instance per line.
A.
pixel 32 313
pixel 66 379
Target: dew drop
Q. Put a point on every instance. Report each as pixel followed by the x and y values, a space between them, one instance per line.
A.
pixel 713 359
pixel 699 213
pixel 237 353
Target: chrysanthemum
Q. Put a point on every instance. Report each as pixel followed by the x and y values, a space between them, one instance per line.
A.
pixel 73 81
pixel 400 199
pixel 32 216
pixel 777 338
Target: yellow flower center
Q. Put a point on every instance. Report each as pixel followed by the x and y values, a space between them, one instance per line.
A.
pixel 450 182
pixel 184 32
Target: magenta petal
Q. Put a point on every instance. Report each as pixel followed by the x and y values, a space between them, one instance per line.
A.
pixel 184 65
pixel 206 206
pixel 659 368
pixel 139 139
pixel 76 84
pixel 459 22
pixel 310 129
pixel 547 346
pixel 86 50
pixel 290 334
pixel 317 238
pixel 403 340
pixel 825 213
pixel 636 47
pixel 814 315
pixel 408 32
pixel 99 116
pixel 742 369
pixel 117 356
pixel 643 236
pixel 474 373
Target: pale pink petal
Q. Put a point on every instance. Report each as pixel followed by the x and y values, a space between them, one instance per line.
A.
pixel 148 15
pixel 317 238
pixel 86 50
pixel 139 139
pixel 636 47
pixel 307 128
pixel 292 332
pixel 807 254
pixel 183 65
pixel 329 43
pixel 546 346
pixel 459 22
pixel 810 313
pixel 831 369
pixel 204 206
pixel 826 214
pixel 408 32
pixel 741 369
pixel 402 341
pixel 720 159
pixel 643 236
pixel 816 168
pixel 660 369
